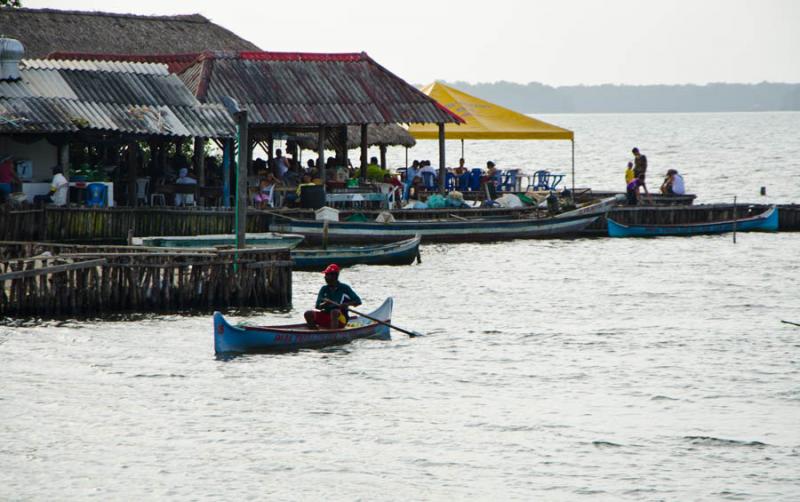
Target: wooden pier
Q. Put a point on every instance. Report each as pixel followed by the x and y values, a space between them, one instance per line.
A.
pixel 112 225
pixel 52 280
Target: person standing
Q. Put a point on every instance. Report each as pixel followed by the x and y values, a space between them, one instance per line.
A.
pixel 182 199
pixel 629 173
pixel 411 173
pixel 639 163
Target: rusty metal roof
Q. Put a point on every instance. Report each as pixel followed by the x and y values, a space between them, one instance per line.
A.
pixel 302 89
pixel 126 97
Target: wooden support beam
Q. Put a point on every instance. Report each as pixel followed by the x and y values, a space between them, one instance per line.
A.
pixel 199 160
pixel 22 274
pixel 442 163
pixel 321 154
pixel 364 148
pixel 383 156
pixel 133 173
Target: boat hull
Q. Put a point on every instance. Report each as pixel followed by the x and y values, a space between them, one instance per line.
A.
pixel 261 240
pixel 229 339
pixel 767 221
pixel 436 231
pixel 397 253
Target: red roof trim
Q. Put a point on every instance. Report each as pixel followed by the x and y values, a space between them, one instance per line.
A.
pixel 302 56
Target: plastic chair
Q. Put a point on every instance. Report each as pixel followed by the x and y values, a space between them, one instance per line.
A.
pixel 508 182
pixel 463 182
pixel 429 181
pixel 541 180
pixel 450 182
pixel 475 179
pixel 142 188
pixel 97 195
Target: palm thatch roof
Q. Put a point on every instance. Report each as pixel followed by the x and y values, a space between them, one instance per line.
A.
pixel 377 135
pixel 45 31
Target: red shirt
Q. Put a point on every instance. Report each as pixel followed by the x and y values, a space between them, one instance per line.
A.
pixel 7 171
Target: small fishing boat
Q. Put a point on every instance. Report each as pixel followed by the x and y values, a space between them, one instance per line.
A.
pixel 245 339
pixel 395 253
pixel 448 229
pixel 766 221
pixel 259 240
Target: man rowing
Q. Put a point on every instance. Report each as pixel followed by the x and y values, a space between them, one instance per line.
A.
pixel 332 301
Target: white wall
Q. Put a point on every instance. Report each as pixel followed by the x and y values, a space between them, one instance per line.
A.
pixel 43 154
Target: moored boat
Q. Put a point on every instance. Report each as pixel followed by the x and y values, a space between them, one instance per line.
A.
pixel 259 240
pixel 448 229
pixel 244 339
pixel 395 253
pixel 766 221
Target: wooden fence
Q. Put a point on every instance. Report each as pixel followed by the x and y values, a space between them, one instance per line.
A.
pixel 48 280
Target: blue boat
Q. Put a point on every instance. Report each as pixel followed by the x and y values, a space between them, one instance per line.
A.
pixel 396 253
pixel 230 339
pixel 766 221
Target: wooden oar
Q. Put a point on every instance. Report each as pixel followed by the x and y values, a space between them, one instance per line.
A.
pixel 412 334
pixel 784 322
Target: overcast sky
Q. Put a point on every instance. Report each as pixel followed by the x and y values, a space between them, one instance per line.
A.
pixel 556 42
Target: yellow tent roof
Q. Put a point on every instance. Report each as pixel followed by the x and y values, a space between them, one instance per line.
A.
pixel 484 120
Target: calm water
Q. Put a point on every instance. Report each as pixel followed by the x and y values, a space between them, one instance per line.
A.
pixel 589 369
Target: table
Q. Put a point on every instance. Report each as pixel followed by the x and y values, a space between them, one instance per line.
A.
pixel 43 188
pixel 357 199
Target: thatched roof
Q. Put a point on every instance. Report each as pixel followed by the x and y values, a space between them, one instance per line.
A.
pixel 45 31
pixel 377 135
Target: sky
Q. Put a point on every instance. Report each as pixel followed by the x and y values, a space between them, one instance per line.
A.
pixel 555 42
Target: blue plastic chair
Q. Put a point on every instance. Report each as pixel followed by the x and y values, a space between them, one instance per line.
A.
pixel 429 181
pixel 463 182
pixel 475 179
pixel 541 180
pixel 449 182
pixel 509 181
pixel 96 195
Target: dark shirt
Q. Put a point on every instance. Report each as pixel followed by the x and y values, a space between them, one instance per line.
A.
pixel 340 293
pixel 639 165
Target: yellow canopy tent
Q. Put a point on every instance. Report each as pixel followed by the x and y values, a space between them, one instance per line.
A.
pixel 485 120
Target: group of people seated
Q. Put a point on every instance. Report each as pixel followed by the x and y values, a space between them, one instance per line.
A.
pixel 414 183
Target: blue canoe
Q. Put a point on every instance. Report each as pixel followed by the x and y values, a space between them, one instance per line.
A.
pixel 230 339
pixel 766 221
pixel 395 253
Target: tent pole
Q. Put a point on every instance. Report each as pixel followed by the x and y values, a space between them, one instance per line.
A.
pixel 462 148
pixel 573 168
pixel 442 168
pixel 406 157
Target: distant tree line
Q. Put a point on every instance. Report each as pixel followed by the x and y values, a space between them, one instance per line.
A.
pixel 10 3
pixel 539 98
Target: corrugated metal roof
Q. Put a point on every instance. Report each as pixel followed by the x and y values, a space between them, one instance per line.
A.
pixel 302 89
pixel 130 98
pixel 86 65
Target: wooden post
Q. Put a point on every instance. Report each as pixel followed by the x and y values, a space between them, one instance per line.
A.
pixel 63 156
pixel 270 149
pixel 442 164
pixel 364 147
pixel 341 146
pixel 241 180
pixel 321 154
pixel 133 164
pixel 383 156
pixel 227 155
pixel 199 160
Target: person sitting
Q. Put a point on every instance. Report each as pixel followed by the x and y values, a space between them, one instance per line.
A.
pixel 426 167
pixel 280 166
pixel 633 190
pixel 461 169
pixel 266 191
pixel 334 297
pixel 184 179
pixel 416 188
pixel 677 186
pixel 491 178
pixel 8 176
pixel 292 198
pixel 59 188
pixel 411 173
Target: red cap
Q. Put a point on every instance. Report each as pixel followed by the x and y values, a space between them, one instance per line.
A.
pixel 332 269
